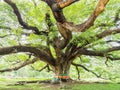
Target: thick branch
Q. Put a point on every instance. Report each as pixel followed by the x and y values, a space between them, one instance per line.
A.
pixel 44 56
pixel 58 42
pixel 20 65
pixel 103 34
pixel 70 49
pixel 80 50
pixel 60 18
pixel 115 48
pixel 90 53
pixel 90 22
pixel 57 12
pixel 96 53
pixel 108 32
pixel 62 4
pixel 102 54
pixel 21 22
pixel 84 51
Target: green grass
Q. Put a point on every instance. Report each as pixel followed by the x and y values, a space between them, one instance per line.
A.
pixel 96 87
pixel 69 86
pixel 74 87
pixel 23 87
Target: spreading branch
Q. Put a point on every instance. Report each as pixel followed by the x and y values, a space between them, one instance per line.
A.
pixel 102 35
pixel 49 69
pixel 90 22
pixel 78 72
pixel 101 54
pixel 41 68
pixel 60 18
pixel 79 65
pixel 105 53
pixel 45 67
pixel 97 37
pixel 57 7
pixel 108 32
pixel 57 12
pixel 98 76
pixel 27 62
pixel 62 4
pixel 44 56
pixel 59 4
pixel 20 20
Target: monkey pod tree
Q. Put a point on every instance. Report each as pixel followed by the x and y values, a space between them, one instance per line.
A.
pixel 63 41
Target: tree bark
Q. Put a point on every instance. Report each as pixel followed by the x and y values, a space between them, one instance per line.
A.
pixel 62 71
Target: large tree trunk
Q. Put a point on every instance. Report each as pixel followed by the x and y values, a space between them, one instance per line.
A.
pixel 62 72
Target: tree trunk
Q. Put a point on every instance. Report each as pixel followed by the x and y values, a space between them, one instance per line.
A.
pixel 62 71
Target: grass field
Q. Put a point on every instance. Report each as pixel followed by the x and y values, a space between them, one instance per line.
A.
pixel 58 87
pixel 96 87
pixel 8 85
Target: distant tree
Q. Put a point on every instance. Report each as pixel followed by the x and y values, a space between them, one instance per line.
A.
pixel 53 39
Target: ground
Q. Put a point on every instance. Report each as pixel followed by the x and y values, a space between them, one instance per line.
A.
pixel 9 85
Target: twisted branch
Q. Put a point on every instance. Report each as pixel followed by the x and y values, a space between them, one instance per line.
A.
pixel 90 22
pixel 79 65
pixel 39 53
pixel 78 72
pixel 27 62
pixel 20 20
pixel 40 69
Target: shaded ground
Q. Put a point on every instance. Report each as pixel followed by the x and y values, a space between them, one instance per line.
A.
pixel 73 85
pixel 68 86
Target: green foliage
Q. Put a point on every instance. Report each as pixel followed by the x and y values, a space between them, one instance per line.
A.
pixel 82 59
pixel 37 65
pixel 80 10
pixel 53 51
pixel 115 54
pixel 84 38
pixel 37 41
pixel 7 16
pixel 77 13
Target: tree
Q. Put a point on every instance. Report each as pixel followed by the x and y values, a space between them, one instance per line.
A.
pixel 61 41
